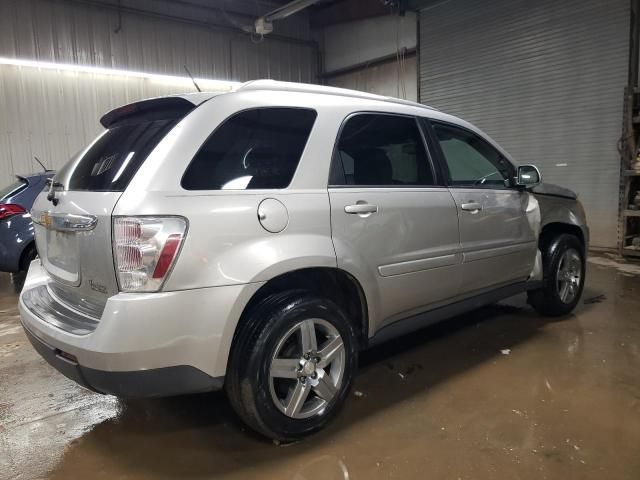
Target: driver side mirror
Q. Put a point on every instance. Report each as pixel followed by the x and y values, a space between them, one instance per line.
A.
pixel 528 176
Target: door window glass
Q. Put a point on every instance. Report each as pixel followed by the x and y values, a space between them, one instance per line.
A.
pixel 471 160
pixel 381 150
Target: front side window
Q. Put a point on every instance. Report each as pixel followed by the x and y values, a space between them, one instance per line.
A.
pixel 471 160
pixel 258 148
pixel 381 150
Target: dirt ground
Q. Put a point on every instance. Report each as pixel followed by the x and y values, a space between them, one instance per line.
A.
pixel 499 393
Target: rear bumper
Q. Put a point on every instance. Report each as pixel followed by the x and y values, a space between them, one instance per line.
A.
pixel 151 344
pixel 157 382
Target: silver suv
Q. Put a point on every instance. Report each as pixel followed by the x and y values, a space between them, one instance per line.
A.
pixel 257 240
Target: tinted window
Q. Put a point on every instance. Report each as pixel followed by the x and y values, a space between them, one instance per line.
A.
pixel 13 189
pixel 257 148
pixel 383 150
pixel 471 160
pixel 114 157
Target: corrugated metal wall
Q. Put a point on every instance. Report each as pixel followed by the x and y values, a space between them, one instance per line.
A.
pixel 545 79
pixel 52 114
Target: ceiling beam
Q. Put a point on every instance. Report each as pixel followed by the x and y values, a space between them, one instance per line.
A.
pixel 343 11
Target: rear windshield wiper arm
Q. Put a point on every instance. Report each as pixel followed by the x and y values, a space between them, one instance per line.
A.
pixel 51 196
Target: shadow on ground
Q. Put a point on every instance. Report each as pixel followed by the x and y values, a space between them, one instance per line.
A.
pixel 199 435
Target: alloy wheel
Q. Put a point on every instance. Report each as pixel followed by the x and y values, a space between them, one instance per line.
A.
pixel 569 275
pixel 307 368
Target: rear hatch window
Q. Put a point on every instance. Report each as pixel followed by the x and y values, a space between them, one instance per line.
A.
pixel 109 163
pixel 13 189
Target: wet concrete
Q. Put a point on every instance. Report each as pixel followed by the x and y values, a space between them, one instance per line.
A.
pixel 500 393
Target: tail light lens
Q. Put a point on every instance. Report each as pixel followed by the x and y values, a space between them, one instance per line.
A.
pixel 145 249
pixel 10 209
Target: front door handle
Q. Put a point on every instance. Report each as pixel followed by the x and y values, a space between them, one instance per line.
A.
pixel 473 207
pixel 361 208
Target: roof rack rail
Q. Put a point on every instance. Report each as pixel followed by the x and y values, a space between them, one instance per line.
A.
pixel 275 85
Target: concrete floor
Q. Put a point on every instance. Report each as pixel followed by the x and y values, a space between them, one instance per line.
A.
pixel 500 393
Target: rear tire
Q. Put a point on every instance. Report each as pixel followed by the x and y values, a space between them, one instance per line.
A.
pixel 292 365
pixel 563 266
pixel 28 255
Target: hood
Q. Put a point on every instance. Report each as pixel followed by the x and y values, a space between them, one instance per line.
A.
pixel 554 190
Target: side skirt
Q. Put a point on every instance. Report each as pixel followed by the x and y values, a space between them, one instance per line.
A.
pixel 424 319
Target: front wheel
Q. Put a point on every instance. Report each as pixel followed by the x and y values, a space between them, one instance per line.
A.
pixel 563 264
pixel 292 365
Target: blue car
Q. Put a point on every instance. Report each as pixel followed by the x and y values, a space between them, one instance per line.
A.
pixel 17 246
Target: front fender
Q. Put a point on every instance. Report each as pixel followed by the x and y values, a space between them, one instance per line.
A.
pixel 564 211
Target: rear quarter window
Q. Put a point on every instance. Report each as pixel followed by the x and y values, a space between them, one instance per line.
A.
pixel 253 149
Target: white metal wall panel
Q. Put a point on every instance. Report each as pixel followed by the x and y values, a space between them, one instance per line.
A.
pixel 347 44
pixel 52 114
pixel 70 32
pixel 545 79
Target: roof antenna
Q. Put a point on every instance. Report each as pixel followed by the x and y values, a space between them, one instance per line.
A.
pixel 192 79
pixel 41 164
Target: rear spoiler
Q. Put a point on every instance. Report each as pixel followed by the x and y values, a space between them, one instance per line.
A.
pixel 24 178
pixel 164 108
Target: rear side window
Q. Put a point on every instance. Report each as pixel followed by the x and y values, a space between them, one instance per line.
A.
pixel 110 162
pixel 258 148
pixel 381 150
pixel 13 189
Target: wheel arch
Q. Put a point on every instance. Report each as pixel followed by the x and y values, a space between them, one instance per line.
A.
pixel 330 282
pixel 24 261
pixel 552 229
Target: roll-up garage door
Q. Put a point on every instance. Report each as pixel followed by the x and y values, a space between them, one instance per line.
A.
pixel 545 79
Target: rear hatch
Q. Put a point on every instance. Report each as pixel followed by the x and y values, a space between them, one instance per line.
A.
pixel 72 217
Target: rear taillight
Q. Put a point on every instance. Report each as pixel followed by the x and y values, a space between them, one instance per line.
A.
pixel 145 249
pixel 10 209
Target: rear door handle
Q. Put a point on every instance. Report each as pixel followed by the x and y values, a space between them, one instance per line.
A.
pixel 361 208
pixel 473 207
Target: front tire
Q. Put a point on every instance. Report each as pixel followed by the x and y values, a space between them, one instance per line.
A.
pixel 292 365
pixel 563 265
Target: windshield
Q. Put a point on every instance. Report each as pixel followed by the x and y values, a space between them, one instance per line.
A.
pixel 12 189
pixel 111 161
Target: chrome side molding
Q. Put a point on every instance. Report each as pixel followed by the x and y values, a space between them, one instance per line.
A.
pixel 64 222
